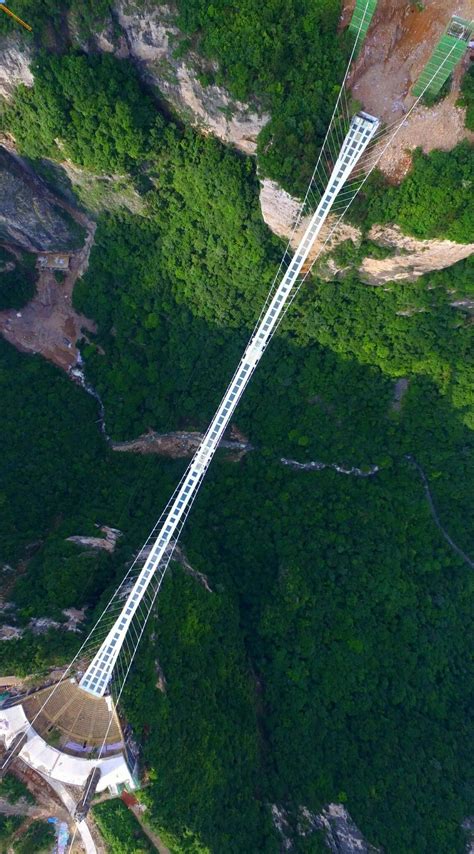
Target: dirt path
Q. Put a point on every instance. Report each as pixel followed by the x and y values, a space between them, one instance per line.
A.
pixel 398 45
pixel 153 837
pixel 434 513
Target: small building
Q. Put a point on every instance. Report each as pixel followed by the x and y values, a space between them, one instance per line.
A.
pixel 53 261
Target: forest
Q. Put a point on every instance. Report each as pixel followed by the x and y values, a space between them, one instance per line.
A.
pixel 329 662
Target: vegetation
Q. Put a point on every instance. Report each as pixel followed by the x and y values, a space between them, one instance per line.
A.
pixel 106 123
pixel 47 18
pixel 14 789
pixel 17 279
pixel 467 96
pixel 287 56
pixel 329 660
pixel 434 200
pixel 120 829
pixel 8 826
pixel 39 837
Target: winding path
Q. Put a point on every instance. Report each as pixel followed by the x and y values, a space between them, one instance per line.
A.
pixel 434 512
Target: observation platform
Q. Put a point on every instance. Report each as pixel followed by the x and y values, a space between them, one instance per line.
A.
pixel 65 729
pixel 66 714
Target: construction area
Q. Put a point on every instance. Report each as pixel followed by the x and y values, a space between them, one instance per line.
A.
pixel 398 45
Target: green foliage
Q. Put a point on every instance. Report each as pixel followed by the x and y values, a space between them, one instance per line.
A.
pixel 17 285
pixel 204 754
pixel 13 790
pixel 467 96
pixel 200 257
pixel 95 106
pixel 50 447
pixel 39 837
pixel 434 200
pixel 286 55
pixel 48 18
pixel 329 661
pixel 8 826
pixel 120 829
pixel 351 254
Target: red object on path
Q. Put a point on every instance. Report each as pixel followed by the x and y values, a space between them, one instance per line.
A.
pixel 129 800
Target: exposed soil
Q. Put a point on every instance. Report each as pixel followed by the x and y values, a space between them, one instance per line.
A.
pixel 399 42
pixel 48 324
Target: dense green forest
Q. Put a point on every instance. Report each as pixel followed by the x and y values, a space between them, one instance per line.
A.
pixel 120 829
pixel 17 278
pixel 329 662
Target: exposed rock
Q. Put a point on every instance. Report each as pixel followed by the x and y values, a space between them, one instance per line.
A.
pixel 368 471
pixel 152 38
pixel 179 555
pixel 177 444
pixel 16 56
pixel 30 217
pixel 281 823
pixel 342 835
pixel 279 210
pixel 468 826
pixel 10 633
pixel 399 392
pixel 160 678
pixel 466 304
pixel 48 324
pixel 414 257
pixel 107 544
pixel 75 616
pixel 41 625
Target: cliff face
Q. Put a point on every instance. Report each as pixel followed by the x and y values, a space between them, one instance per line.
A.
pixel 29 216
pixel 150 37
pixel 15 61
pixel 411 258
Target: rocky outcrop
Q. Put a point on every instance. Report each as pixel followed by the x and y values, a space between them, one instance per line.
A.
pixel 106 543
pixel 409 259
pixel 367 471
pixel 16 56
pixel 151 38
pixel 279 210
pixel 179 444
pixel 412 258
pixel 30 218
pixel 341 834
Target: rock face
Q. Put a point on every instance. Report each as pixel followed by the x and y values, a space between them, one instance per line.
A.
pixel 29 217
pixel 15 60
pixel 151 38
pixel 180 444
pixel 106 543
pixel 342 835
pixel 413 257
pixel 279 209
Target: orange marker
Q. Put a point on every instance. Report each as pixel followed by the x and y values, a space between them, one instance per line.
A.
pixel 15 17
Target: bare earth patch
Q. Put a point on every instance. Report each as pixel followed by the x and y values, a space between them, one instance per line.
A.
pixel 48 324
pixel 399 42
